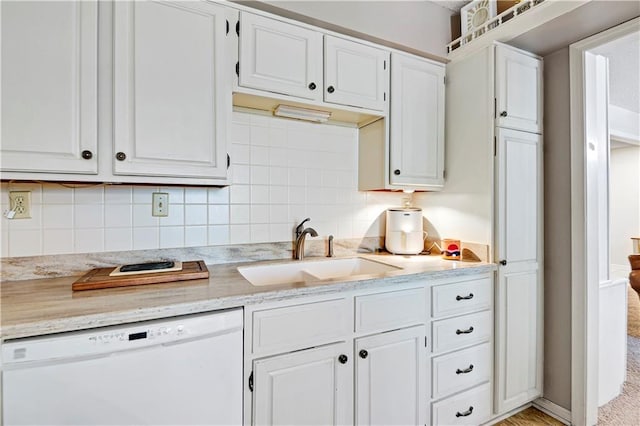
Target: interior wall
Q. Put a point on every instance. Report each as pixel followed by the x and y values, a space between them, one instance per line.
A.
pixel 557 232
pixel 420 25
pixel 624 199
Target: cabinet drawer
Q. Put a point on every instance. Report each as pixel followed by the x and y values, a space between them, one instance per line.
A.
pixel 460 370
pixel 462 297
pixel 461 331
pixel 385 311
pixel 300 326
pixel 472 407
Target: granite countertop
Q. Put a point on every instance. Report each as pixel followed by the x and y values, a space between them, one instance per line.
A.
pixel 46 306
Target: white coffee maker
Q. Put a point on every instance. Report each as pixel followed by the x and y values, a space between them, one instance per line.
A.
pixel 404 231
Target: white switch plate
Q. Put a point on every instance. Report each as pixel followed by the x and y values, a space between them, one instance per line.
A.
pixel 20 203
pixel 160 204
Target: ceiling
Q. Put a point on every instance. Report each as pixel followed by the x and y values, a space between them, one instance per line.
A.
pixel 624 71
pixel 453 5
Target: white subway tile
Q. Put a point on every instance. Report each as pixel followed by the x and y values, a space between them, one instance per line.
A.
pixel 297 213
pixel 195 214
pixel 240 154
pixel 278 194
pixel 146 238
pixel 57 241
pixel 218 214
pixel 241 117
pixel 278 213
pixel 260 175
pixel 118 194
pixel 259 233
pixel 219 195
pixel 195 236
pixel 195 196
pixel 314 177
pixel 89 240
pixel 278 176
pixel 171 236
pixel 297 176
pixel 4 242
pixel 345 229
pixel 260 120
pixel 278 157
pixel 240 214
pixel 88 215
pixel 35 222
pixel 259 135
pixel 277 135
pixel 259 194
pixel 143 194
pixel 240 133
pixel 118 216
pixel 241 173
pixel 54 194
pixel 142 216
pixel 240 194
pixel 36 189
pixel 25 243
pixel 259 155
pixel 118 239
pixel 239 234
pixel 218 234
pixel 280 232
pixel 297 194
pixel 56 216
pixel 259 213
pixel 175 217
pixel 89 195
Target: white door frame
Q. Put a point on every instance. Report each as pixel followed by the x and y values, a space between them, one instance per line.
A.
pixel 584 280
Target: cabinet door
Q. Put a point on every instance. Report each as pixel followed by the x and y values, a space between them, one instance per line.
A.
pixel 519 248
pixel 417 122
pixel 391 378
pixel 518 90
pixel 49 86
pixel 355 74
pixel 279 57
pixel 170 89
pixel 311 387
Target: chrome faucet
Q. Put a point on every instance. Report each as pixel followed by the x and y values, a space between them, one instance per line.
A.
pixel 301 233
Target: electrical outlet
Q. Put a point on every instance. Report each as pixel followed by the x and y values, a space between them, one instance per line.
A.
pixel 160 202
pixel 20 203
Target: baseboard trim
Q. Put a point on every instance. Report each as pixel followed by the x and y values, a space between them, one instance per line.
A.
pixel 508 414
pixel 554 410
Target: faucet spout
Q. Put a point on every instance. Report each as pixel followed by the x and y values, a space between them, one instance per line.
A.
pixel 298 248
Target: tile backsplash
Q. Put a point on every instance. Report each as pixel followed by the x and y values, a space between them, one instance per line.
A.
pixel 282 171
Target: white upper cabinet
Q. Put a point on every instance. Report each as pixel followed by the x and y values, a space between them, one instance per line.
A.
pixel 279 57
pixel 518 90
pixel 355 74
pixel 49 86
pixel 416 123
pixel 169 89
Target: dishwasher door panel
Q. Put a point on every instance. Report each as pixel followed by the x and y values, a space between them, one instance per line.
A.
pixel 188 382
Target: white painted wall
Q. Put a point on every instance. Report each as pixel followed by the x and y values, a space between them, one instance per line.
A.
pixel 282 172
pixel 420 25
pixel 624 207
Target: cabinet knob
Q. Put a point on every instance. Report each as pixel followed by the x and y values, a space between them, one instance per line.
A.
pixel 396 172
pixel 503 114
pixel 363 354
pixel 330 89
pixel 312 86
pixel 343 359
pixel 503 262
pixel 87 155
pixel 121 156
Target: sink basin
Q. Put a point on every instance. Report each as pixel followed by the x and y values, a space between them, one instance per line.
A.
pixel 310 271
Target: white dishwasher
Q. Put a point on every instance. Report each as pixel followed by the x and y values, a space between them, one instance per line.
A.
pixel 178 371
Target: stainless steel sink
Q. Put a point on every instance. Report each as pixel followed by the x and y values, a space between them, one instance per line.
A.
pixel 309 271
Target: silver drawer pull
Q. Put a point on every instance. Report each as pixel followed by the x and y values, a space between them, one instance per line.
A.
pixel 466 370
pixel 467 331
pixel 466 413
pixel 459 298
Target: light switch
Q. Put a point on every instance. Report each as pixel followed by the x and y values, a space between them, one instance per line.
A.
pixel 160 204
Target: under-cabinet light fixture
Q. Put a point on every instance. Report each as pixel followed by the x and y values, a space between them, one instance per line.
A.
pixel 302 113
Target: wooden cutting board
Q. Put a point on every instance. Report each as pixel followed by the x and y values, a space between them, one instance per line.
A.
pixel 99 277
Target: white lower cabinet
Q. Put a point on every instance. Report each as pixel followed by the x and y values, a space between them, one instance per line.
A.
pixel 366 357
pixel 313 386
pixel 391 378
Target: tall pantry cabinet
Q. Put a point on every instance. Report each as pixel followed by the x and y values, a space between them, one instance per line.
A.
pixel 494 138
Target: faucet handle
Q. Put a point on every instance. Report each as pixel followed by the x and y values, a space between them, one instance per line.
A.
pixel 300 227
pixel 330 247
